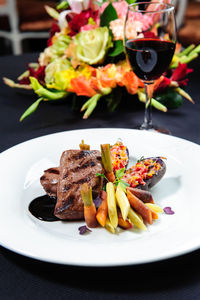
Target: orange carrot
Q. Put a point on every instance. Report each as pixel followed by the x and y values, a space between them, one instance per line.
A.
pixel 102 211
pixel 90 216
pixel 154 215
pixel 140 207
pixel 110 176
pixel 125 224
pixel 89 207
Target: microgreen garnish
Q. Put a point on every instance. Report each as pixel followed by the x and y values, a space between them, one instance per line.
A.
pixel 102 175
pixel 118 181
pixel 141 159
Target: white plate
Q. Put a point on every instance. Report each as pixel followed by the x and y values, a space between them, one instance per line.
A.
pixel 59 242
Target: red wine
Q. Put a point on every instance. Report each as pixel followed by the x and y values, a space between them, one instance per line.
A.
pixel 149 57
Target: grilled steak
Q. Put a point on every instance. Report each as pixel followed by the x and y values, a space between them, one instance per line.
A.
pixel 76 168
pixel 49 181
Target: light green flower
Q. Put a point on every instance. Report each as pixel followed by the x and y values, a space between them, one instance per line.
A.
pixel 92 45
pixel 60 45
pixel 57 65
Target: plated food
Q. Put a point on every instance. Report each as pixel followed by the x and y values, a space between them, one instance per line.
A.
pixel 60 242
pixel 100 188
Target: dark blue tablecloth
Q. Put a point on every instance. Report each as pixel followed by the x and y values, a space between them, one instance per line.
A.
pixel 25 278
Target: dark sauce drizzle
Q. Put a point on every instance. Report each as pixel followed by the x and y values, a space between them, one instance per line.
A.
pixel 43 208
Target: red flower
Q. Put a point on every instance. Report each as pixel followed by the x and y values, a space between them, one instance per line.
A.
pixel 149 34
pixel 55 28
pixel 38 74
pixel 80 20
pixel 180 73
pixel 163 84
pixel 178 76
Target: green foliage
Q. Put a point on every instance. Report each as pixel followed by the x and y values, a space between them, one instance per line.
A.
pixel 171 99
pixel 119 181
pixel 117 49
pixel 108 15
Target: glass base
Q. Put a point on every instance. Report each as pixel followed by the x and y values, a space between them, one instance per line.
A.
pixel 153 128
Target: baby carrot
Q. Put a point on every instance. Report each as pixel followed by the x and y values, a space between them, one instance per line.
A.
pixel 107 162
pixel 102 211
pixel 144 196
pixel 125 224
pixel 140 207
pixel 89 207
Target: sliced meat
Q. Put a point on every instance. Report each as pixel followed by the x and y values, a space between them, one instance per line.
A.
pixel 76 168
pixel 49 181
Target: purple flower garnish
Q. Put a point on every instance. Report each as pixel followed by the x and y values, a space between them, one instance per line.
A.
pixel 168 210
pixel 83 229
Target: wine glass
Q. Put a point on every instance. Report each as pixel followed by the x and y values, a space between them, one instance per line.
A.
pixel 150 41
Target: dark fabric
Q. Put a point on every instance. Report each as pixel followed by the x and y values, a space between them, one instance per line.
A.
pixel 25 278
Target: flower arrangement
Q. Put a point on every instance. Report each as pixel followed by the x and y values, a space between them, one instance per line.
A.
pixel 85 56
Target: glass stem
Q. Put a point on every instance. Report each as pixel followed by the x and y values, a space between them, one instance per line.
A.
pixel 147 124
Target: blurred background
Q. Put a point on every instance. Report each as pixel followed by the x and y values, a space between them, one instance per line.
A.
pixel 25 25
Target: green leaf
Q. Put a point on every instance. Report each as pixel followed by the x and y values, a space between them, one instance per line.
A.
pixel 141 159
pixel 120 173
pixel 102 175
pixel 108 15
pixel 123 185
pixel 117 49
pixel 31 109
pixel 45 93
pixel 171 99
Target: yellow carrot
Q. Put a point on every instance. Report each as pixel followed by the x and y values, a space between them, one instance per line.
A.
pixel 136 219
pixel 156 208
pixel 112 207
pixel 109 226
pixel 122 202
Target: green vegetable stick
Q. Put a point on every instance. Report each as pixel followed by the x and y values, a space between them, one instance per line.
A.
pixel 52 12
pixel 106 158
pixel 31 109
pixel 196 50
pixel 91 106
pixel 86 195
pixel 154 102
pixel 186 51
pixel 184 94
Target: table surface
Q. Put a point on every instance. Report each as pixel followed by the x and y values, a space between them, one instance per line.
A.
pixel 25 278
